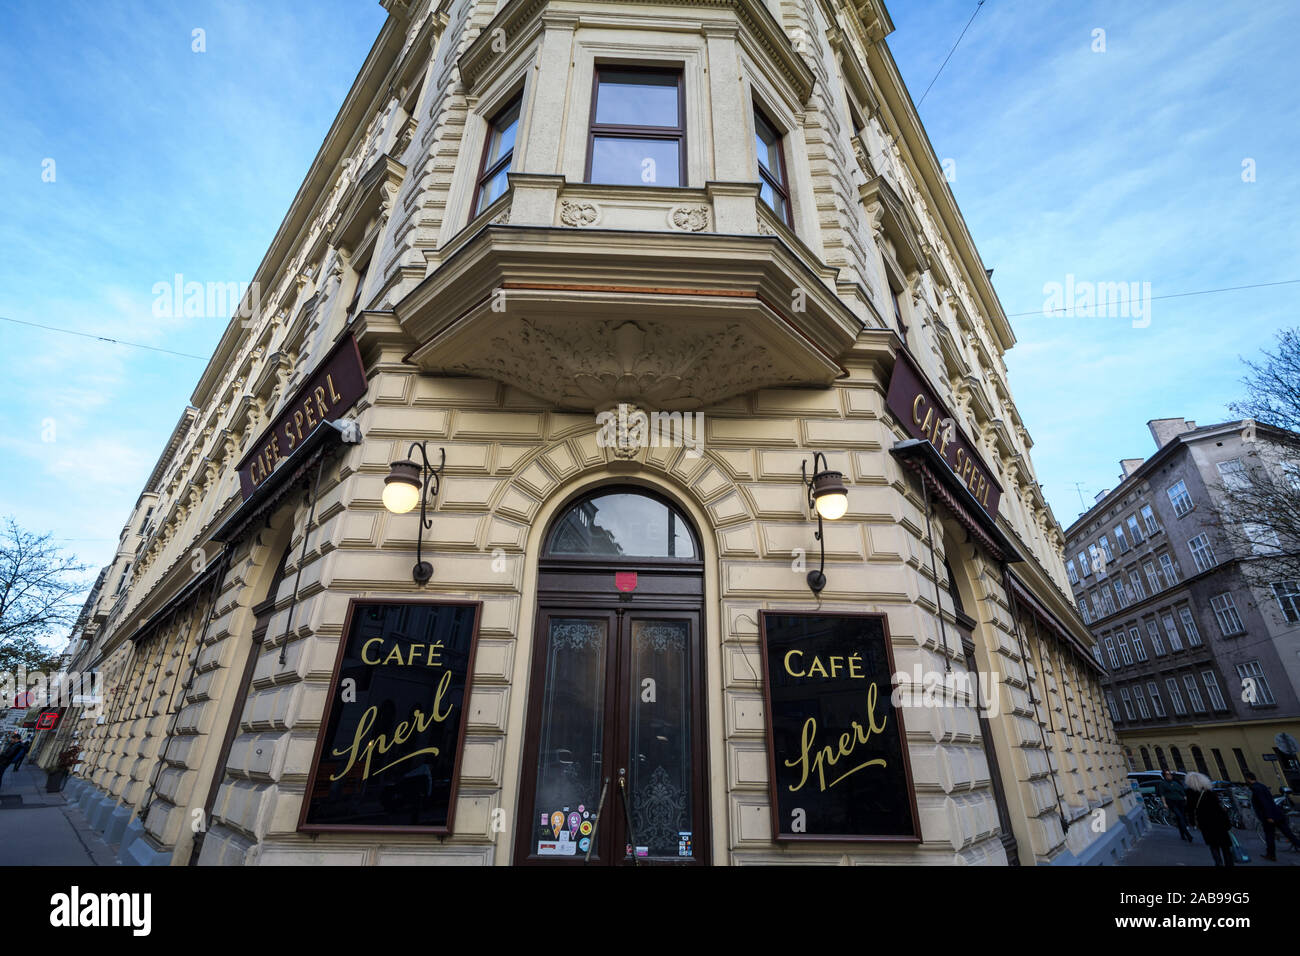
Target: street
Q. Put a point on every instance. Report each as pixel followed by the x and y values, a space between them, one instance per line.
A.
pixel 41 829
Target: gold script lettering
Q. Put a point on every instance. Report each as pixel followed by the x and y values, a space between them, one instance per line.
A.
pixel 827 756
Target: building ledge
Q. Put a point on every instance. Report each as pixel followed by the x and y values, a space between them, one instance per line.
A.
pixel 588 317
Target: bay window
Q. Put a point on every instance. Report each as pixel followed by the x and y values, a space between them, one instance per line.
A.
pixel 774 189
pixel 637 134
pixel 498 156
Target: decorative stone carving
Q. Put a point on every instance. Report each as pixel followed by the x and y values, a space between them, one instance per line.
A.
pixel 502 218
pixel 630 435
pixel 689 218
pixel 578 213
pixel 656 364
pixel 764 229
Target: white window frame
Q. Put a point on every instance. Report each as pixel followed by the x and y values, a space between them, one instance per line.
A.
pixel 1140 699
pixel 1212 690
pixel 1139 649
pixel 1157 642
pixel 1153 576
pixel 1128 703
pixel 1202 552
pixel 1253 670
pixel 1233 474
pixel 1105 547
pixel 1175 697
pixel 1225 612
pixel 1118 587
pixel 1287 595
pixel 1179 498
pixel 1085 568
pixel 1149 519
pixel 1135 580
pixel 1121 540
pixel 1193 694
pixel 1157 704
pixel 1171 631
pixel 1110 652
pixel 1189 625
pixel 1097 561
pixel 1072 574
pixel 1121 640
pixel 1114 711
pixel 1084 612
pixel 1169 569
pixel 1135 530
pixel 1262 538
pixel 1107 600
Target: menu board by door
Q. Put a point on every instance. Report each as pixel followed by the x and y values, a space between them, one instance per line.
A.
pixel 388 755
pixel 837 748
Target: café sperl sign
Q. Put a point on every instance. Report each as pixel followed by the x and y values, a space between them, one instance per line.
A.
pixel 332 389
pixel 923 416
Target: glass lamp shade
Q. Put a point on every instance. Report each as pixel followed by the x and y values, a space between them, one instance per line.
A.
pixel 402 487
pixel 830 497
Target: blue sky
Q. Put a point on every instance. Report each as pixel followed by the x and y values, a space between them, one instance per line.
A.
pixel 1119 166
pixel 1123 165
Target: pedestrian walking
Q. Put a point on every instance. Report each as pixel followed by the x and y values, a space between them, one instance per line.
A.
pixel 1175 797
pixel 12 748
pixel 16 760
pixel 1209 816
pixel 1271 816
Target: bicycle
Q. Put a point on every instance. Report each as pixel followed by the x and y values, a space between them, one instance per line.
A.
pixel 1157 812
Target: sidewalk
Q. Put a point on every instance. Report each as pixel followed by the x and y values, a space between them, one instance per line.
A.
pixel 1161 846
pixel 41 829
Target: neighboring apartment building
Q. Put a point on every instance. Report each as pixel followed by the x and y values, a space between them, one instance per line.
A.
pixel 531 223
pixel 1202 669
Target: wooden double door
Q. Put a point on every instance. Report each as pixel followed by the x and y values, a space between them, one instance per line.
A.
pixel 614 763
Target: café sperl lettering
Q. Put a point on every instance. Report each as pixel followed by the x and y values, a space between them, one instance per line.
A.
pixel 332 390
pixel 837 759
pixel 924 416
pixel 391 741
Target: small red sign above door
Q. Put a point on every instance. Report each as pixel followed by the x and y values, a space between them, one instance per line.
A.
pixel 625 580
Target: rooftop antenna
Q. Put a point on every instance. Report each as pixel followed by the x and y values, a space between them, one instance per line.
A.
pixel 1078 486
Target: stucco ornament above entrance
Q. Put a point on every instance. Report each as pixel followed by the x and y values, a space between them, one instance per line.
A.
pixel 589 318
pixel 656 365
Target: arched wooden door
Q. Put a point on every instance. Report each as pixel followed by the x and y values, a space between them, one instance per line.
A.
pixel 614 759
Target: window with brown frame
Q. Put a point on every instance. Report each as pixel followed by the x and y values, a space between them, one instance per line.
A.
pixel 898 314
pixel 637 135
pixel 775 189
pixel 498 155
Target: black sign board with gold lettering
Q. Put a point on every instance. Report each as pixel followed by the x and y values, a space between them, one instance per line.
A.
pixel 388 754
pixel 837 750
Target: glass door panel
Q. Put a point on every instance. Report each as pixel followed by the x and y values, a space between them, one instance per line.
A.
pixel 570 756
pixel 660 765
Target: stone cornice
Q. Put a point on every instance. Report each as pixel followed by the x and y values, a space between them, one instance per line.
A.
pixel 520 20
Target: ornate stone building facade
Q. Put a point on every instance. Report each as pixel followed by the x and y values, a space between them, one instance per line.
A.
pixel 1202 663
pixel 529 214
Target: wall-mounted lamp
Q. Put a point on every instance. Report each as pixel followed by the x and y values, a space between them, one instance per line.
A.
pixel 829 499
pixel 408 484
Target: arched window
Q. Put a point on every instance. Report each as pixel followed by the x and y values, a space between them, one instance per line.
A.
pixel 616 707
pixel 1160 759
pixel 622 523
pixel 1146 758
pixel 1178 758
pixel 1198 758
